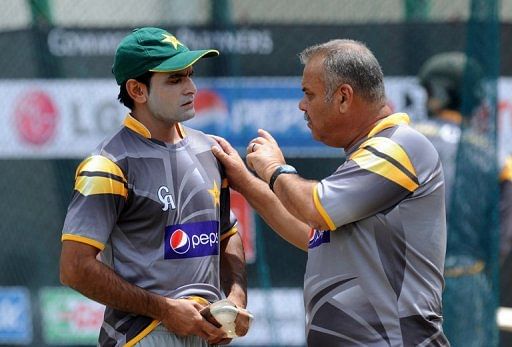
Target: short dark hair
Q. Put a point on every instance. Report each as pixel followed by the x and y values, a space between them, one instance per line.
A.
pixel 349 61
pixel 124 97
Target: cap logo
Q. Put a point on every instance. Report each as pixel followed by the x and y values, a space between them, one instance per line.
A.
pixel 168 38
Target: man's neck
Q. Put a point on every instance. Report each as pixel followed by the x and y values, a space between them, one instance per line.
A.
pixel 371 122
pixel 160 130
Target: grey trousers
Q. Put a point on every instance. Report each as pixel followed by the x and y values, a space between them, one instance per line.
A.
pixel 161 337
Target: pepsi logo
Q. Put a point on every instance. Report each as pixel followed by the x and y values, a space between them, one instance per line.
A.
pixel 179 242
pixel 313 235
pixel 36 117
pixel 317 237
pixel 190 240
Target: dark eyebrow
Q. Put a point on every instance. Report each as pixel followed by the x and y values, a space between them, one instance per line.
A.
pixel 182 73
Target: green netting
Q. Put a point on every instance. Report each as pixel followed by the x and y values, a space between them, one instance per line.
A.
pixel 472 265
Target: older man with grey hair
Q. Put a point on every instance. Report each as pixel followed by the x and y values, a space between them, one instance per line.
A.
pixel 375 229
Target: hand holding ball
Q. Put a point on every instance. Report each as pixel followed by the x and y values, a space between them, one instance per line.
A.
pixel 224 314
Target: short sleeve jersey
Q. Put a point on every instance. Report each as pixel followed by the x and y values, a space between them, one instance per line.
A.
pixel 158 213
pixel 376 277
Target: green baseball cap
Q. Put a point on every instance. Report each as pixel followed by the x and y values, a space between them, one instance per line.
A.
pixel 153 49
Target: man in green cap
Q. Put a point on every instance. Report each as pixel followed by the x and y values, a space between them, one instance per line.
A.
pixel 149 231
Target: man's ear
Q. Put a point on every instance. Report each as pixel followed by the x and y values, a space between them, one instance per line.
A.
pixel 343 97
pixel 137 91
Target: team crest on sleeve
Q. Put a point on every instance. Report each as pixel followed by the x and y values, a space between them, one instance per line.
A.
pixel 191 240
pixel 317 237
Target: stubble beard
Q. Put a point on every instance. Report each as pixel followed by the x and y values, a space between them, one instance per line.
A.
pixel 170 118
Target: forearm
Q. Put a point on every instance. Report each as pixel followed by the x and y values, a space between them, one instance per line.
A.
pixel 100 283
pixel 233 275
pixel 275 214
pixel 296 194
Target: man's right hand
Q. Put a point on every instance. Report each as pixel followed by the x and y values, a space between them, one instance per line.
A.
pixel 239 176
pixel 182 317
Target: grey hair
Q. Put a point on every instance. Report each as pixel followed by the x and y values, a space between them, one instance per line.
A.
pixel 350 62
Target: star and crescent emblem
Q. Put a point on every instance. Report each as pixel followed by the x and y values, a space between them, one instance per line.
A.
pixel 170 39
pixel 215 193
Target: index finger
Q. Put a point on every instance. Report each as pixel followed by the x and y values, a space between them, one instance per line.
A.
pixel 266 135
pixel 212 331
pixel 224 144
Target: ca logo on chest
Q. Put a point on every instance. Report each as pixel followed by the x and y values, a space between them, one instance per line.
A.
pixel 166 198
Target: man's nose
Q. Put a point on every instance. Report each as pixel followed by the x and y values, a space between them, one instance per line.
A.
pixel 191 87
pixel 302 105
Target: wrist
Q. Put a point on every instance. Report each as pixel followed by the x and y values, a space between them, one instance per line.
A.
pixel 278 171
pixel 158 306
pixel 270 170
pixel 245 184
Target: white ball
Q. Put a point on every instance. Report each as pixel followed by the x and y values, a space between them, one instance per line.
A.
pixel 225 314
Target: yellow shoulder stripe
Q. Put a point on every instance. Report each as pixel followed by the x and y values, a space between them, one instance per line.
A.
pixel 506 173
pixel 371 162
pixel 99 163
pixel 142 334
pixel 390 121
pixel 321 209
pixel 88 185
pixel 82 239
pixel 391 149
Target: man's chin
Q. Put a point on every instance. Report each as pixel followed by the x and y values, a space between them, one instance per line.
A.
pixel 187 116
pixel 184 117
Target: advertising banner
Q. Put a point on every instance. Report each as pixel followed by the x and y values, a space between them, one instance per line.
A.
pixel 69 318
pixel 69 118
pixel 246 49
pixel 15 316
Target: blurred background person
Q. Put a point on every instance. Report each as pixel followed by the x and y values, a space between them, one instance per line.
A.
pixel 468 285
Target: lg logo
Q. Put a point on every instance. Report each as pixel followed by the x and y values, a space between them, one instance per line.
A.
pixel 166 198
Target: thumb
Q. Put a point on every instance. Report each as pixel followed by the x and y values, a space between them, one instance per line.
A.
pixel 223 144
pixel 218 153
pixel 266 135
pixel 224 158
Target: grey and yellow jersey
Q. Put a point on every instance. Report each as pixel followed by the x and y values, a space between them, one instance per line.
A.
pixel 376 277
pixel 158 213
